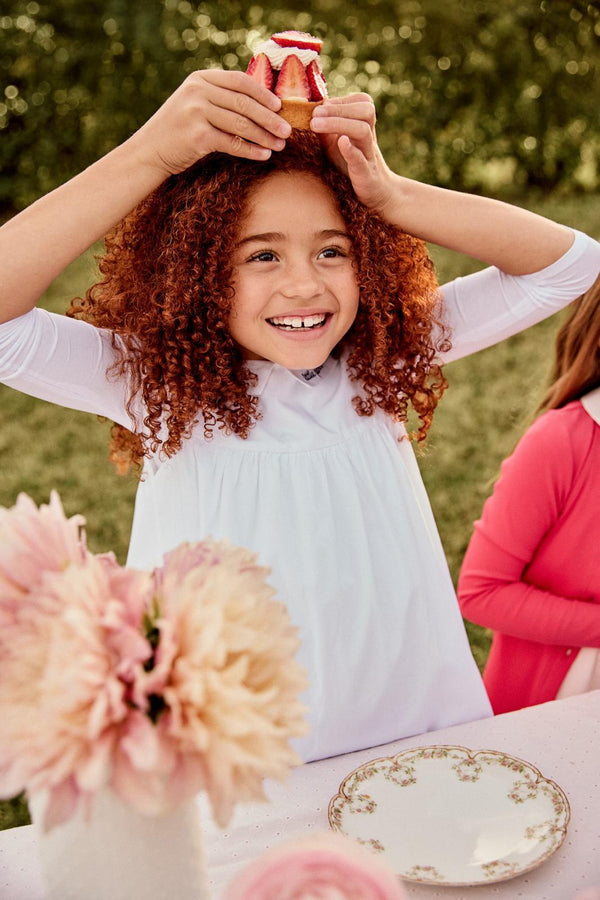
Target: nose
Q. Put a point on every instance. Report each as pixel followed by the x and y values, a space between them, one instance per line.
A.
pixel 302 280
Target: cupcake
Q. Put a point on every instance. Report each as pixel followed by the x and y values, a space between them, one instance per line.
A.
pixel 289 65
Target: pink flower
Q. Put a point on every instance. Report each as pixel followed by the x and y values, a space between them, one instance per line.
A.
pixel 158 685
pixel 225 672
pixel 63 697
pixel 34 541
pixel 326 867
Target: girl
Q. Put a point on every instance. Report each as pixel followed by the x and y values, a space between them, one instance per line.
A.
pixel 532 568
pixel 262 322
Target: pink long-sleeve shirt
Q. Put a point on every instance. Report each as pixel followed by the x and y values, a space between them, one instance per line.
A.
pixel 532 568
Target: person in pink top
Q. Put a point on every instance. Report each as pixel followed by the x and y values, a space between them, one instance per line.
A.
pixel 532 568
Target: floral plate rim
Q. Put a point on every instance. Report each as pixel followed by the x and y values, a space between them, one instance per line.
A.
pixel 437 750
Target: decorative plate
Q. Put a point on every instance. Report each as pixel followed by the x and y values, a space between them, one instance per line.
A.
pixel 453 816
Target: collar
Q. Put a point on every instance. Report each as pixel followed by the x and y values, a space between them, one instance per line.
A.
pixel 263 368
pixel 591 404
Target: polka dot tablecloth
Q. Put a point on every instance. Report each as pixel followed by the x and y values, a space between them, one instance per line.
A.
pixel 562 739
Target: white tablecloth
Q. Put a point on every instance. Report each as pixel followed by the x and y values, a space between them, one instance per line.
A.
pixel 562 739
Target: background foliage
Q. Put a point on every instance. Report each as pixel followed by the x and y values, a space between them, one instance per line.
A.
pixel 470 93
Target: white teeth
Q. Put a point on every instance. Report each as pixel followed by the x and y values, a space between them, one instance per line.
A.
pixel 298 321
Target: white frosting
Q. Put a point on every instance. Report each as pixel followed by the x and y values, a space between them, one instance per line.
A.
pixel 277 54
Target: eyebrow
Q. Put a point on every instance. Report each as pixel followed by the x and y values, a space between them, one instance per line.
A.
pixel 272 236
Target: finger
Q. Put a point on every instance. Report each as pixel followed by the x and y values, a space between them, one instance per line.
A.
pixel 356 106
pixel 242 114
pixel 356 163
pixel 212 90
pixel 350 98
pixel 351 154
pixel 357 130
pixel 338 115
pixel 234 145
pixel 248 118
pixel 238 127
pixel 241 83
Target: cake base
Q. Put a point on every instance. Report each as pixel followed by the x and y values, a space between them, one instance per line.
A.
pixel 298 112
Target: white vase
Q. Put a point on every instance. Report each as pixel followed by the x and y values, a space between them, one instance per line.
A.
pixel 119 854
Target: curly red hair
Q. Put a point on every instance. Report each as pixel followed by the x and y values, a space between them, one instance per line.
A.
pixel 166 291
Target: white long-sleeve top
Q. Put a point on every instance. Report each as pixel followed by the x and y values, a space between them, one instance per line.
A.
pixel 334 503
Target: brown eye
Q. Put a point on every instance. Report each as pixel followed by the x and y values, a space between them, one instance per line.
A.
pixel 263 256
pixel 332 252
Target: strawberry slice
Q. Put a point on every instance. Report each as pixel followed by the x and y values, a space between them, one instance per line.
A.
pixel 300 39
pixel 261 70
pixel 316 81
pixel 292 81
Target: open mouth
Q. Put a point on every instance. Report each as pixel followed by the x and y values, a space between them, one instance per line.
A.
pixel 299 323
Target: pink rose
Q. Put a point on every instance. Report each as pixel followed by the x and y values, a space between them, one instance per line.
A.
pixel 324 867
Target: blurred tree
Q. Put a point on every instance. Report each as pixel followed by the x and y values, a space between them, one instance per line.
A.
pixel 469 93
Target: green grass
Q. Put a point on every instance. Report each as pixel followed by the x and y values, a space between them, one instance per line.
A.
pixel 44 446
pixel 480 418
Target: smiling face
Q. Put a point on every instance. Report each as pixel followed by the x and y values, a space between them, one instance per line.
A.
pixel 296 293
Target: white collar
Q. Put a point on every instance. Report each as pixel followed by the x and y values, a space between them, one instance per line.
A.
pixel 264 368
pixel 591 404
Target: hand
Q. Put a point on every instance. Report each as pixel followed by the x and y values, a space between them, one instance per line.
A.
pixel 213 110
pixel 347 128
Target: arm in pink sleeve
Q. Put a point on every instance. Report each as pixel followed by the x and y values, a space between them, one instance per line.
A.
pixel 493 590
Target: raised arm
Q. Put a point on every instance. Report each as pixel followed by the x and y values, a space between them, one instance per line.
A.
pixel 211 111
pixel 514 240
